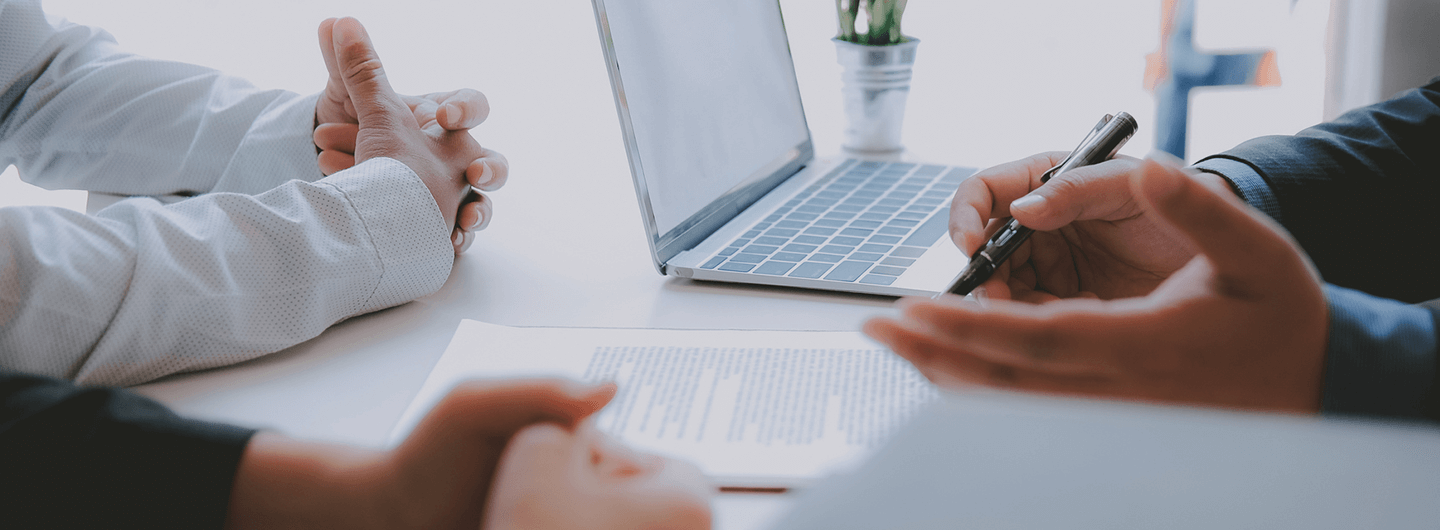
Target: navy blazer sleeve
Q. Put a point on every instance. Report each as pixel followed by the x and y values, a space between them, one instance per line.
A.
pixel 1361 193
pixel 92 457
pixel 1358 193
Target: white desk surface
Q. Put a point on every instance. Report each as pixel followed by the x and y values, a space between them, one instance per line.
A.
pixel 566 247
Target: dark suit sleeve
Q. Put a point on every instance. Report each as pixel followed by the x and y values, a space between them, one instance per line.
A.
pixel 1380 357
pixel 1359 194
pixel 91 457
pixel 1364 185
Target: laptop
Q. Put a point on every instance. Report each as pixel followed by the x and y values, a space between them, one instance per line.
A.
pixel 729 186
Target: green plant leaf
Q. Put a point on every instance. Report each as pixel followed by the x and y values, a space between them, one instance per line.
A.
pixel 849 11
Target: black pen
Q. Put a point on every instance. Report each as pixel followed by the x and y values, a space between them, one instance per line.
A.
pixel 1100 145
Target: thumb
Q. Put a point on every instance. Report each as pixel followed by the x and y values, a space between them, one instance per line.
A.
pixel 376 104
pixel 1100 191
pixel 1250 253
pixel 499 408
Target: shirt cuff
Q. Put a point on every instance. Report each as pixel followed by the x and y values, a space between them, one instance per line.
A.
pixel 1247 182
pixel 1381 356
pixel 405 227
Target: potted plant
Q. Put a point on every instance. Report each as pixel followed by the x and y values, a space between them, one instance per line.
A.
pixel 877 64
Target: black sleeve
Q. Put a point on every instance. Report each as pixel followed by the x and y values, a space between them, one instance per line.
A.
pixel 1361 194
pixel 90 457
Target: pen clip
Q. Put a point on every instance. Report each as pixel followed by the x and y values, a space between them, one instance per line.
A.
pixel 1045 177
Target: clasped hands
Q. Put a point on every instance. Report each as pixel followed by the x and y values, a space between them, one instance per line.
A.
pixel 359 117
pixel 1143 281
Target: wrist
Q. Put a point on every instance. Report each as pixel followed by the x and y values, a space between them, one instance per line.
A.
pixel 287 483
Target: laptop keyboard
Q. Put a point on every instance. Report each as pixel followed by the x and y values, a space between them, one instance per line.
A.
pixel 863 222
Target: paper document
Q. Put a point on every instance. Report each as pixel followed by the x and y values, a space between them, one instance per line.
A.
pixel 751 408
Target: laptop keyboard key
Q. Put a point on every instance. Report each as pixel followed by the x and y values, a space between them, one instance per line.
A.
pixel 847 241
pixel 748 258
pixel 771 240
pixel 776 268
pixel 788 256
pixel 876 279
pixel 714 262
pixel 816 240
pixel 866 256
pixel 796 247
pixel 810 269
pixel 857 232
pixel 898 262
pixel 729 250
pixel 848 271
pixel 908 252
pixel 760 249
pixel 837 249
pixel 875 248
pixel 781 232
pixel 888 271
pixel 737 267
pixel 931 231
pixel 819 231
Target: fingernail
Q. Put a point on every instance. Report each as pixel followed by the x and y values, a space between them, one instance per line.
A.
pixel 1033 203
pixel 479 220
pixel 453 112
pixel 486 174
pixel 982 297
pixel 458 237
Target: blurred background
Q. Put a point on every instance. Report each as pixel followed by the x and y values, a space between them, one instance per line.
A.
pixel 994 81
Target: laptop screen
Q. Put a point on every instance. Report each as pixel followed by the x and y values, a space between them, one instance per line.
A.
pixel 712 102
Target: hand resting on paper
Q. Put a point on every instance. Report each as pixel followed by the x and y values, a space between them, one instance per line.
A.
pixel 444 472
pixel 552 477
pixel 1242 324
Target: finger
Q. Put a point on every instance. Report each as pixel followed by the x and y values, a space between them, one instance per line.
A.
pixel 335 87
pixel 461 109
pixel 332 162
pixel 475 213
pixel 987 195
pixel 459 239
pixel 544 453
pixel 1101 191
pixel 1077 336
pixel 1249 252
pixel 489 172
pixel 474 216
pixel 934 357
pixel 499 408
pixel 376 103
pixel 337 136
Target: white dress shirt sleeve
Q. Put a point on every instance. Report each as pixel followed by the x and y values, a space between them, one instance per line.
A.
pixel 76 112
pixel 141 290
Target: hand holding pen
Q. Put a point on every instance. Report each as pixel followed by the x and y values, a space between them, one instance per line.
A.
pixel 1101 144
